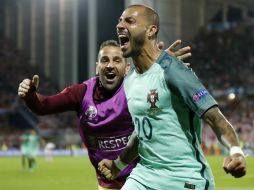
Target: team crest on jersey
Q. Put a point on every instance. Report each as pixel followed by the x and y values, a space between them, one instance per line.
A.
pixel 91 112
pixel 152 98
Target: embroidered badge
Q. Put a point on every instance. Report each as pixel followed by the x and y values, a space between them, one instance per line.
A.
pixel 199 94
pixel 91 112
pixel 152 98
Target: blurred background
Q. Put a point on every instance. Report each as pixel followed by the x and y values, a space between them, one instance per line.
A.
pixel 59 40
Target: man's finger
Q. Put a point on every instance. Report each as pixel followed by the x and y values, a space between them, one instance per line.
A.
pixel 240 169
pixel 26 81
pixel 233 164
pixel 109 176
pixel 187 64
pixel 105 170
pixel 24 85
pixel 35 81
pixel 225 163
pixel 185 56
pixel 107 173
pixel 21 94
pixel 175 44
pixel 100 165
pixel 22 90
pixel 182 51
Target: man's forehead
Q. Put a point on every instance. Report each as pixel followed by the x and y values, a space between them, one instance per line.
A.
pixel 132 11
pixel 111 51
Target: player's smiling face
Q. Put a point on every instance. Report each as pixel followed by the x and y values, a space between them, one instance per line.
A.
pixel 111 67
pixel 131 31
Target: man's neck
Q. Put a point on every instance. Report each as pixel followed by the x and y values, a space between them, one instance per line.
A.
pixel 146 58
pixel 101 94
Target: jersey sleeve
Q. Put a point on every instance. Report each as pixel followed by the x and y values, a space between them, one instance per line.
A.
pixel 67 100
pixel 184 82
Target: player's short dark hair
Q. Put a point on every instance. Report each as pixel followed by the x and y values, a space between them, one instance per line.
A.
pixel 151 15
pixel 109 43
pixel 112 43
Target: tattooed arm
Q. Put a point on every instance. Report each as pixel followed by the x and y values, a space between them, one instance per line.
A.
pixel 235 163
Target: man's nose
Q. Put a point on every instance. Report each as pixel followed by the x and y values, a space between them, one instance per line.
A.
pixel 110 64
pixel 120 26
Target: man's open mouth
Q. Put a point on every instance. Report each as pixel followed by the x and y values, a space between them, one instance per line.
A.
pixel 123 39
pixel 110 76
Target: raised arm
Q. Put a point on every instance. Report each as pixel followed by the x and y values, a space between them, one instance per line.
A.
pixel 111 168
pixel 67 100
pixel 235 163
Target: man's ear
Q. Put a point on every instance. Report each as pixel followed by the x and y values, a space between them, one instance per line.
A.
pixel 96 69
pixel 127 68
pixel 151 31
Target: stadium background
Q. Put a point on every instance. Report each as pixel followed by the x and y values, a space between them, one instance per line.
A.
pixel 59 40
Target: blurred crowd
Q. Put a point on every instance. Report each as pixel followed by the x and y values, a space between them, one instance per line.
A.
pixel 223 60
pixel 14 67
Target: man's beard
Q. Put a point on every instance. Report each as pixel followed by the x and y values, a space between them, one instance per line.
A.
pixel 137 44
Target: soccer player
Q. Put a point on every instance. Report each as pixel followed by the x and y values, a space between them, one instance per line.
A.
pixel 48 151
pixel 164 99
pixel 23 149
pixel 105 124
pixel 29 148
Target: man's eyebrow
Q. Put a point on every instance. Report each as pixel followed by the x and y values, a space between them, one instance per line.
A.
pixel 125 18
pixel 104 56
pixel 117 57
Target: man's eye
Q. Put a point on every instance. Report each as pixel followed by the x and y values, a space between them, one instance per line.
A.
pixel 130 20
pixel 104 60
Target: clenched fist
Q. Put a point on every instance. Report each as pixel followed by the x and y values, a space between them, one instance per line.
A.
pixel 235 165
pixel 108 169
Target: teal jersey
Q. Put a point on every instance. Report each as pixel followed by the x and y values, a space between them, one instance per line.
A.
pixel 165 103
pixel 34 143
pixel 30 145
pixel 24 143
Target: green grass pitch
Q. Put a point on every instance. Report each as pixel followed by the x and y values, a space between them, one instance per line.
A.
pixel 66 173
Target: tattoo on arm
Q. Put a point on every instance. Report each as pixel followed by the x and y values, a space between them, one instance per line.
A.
pixel 221 126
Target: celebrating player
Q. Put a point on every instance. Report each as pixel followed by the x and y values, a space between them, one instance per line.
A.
pixel 164 99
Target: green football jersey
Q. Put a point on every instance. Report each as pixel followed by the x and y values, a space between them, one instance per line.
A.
pixel 34 143
pixel 24 143
pixel 165 103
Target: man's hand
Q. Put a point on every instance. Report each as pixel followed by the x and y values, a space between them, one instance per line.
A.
pixel 181 54
pixel 108 169
pixel 26 86
pixel 235 165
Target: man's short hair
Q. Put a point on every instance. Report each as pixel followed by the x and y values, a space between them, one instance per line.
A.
pixel 109 43
pixel 112 43
pixel 151 15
